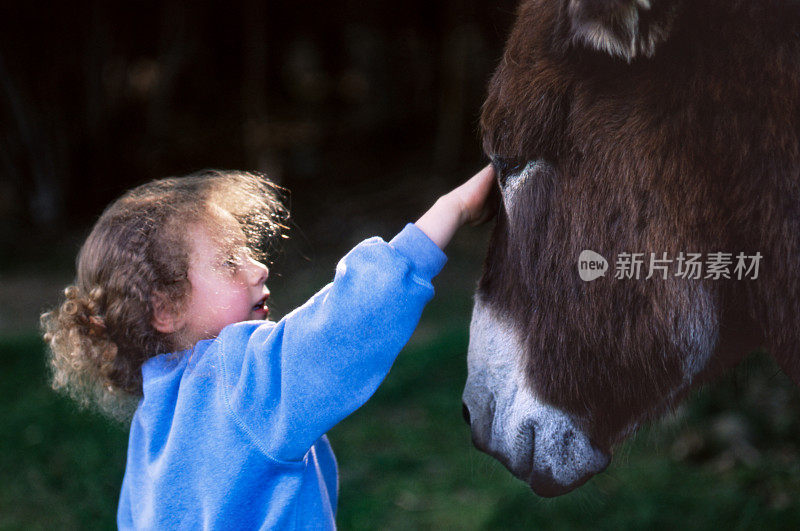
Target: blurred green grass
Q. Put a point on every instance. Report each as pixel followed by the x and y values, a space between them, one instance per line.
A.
pixel 406 460
pixel 728 458
pixel 60 468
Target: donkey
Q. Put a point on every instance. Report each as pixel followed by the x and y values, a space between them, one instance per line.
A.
pixel 644 128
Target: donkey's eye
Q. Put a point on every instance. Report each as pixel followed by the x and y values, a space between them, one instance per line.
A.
pixel 512 181
pixel 504 167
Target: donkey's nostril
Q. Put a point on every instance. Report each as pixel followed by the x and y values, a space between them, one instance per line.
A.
pixel 465 412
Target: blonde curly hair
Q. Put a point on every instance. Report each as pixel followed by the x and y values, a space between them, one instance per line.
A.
pixel 101 334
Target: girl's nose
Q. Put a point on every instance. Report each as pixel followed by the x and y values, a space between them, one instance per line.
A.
pixel 258 272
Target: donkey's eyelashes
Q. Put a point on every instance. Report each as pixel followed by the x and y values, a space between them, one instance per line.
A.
pixel 505 166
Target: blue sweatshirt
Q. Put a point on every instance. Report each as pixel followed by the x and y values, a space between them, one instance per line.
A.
pixel 231 434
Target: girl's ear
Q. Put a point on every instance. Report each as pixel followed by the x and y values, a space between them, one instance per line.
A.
pixel 165 318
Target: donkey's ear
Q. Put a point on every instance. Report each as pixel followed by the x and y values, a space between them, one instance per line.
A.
pixel 622 28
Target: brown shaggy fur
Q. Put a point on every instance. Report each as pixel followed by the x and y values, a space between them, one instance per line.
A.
pixel 694 149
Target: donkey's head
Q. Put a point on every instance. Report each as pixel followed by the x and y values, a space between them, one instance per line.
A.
pixel 641 130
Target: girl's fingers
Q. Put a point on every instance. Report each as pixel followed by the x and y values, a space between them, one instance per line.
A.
pixel 474 193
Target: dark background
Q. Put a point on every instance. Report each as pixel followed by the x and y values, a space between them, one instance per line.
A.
pixel 328 98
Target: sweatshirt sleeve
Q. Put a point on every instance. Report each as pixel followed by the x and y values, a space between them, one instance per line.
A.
pixel 288 383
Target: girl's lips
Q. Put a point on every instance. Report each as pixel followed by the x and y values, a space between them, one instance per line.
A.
pixel 262 303
pixel 261 306
pixel 262 311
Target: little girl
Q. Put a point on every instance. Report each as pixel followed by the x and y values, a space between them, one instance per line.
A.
pixel 168 316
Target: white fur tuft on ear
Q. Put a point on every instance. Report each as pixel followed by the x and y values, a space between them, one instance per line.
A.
pixel 623 28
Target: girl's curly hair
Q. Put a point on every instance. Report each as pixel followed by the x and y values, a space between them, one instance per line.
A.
pixel 101 334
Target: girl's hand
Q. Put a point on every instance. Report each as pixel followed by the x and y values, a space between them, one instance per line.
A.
pixel 465 204
pixel 471 196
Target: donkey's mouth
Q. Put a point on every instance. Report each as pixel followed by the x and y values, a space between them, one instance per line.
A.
pixel 539 443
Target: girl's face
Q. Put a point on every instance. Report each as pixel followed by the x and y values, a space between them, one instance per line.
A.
pixel 228 285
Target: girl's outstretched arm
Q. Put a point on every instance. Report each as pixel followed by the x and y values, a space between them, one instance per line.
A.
pixel 287 383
